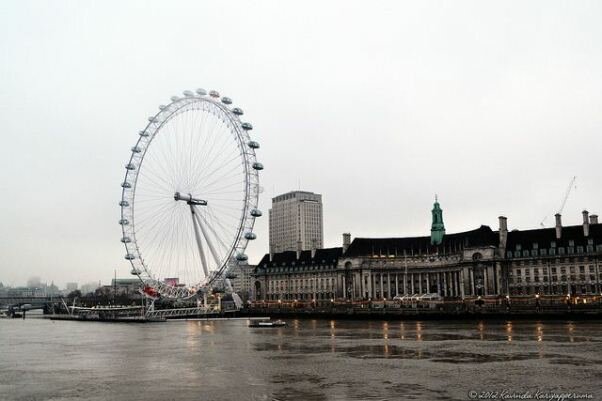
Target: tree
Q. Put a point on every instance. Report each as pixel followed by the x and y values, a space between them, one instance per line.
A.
pixel 74 294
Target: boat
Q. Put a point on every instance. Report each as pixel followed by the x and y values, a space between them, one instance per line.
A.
pixel 263 323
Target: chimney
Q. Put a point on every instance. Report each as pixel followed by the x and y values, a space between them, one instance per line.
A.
pixel 503 232
pixel 558 225
pixel 593 219
pixel 346 241
pixel 585 223
pixel 299 249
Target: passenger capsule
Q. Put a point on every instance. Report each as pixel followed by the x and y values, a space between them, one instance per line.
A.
pixel 241 257
pixel 237 111
pixel 135 272
pixel 188 93
pixel 231 276
pixel 247 126
pixel 143 133
pixel 130 166
pixel 255 212
pixel 129 256
pixel 257 166
pixel 214 93
pixel 152 119
pixel 126 240
pixel 226 100
pixel 124 203
pixel 253 145
pixel 124 222
pixel 174 98
pixel 250 236
pixel 162 107
pixel 126 184
pixel 201 92
pixel 136 149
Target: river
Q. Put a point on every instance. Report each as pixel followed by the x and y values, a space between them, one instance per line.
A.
pixel 308 360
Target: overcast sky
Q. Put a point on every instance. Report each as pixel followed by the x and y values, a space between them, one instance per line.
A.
pixel 494 106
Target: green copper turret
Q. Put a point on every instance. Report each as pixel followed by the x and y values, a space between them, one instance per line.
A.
pixel 437 228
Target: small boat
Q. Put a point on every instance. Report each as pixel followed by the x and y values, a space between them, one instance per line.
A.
pixel 264 323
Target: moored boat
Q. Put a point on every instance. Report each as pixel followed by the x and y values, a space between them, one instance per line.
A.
pixel 264 323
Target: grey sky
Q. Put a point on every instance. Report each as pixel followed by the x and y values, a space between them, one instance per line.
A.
pixel 376 105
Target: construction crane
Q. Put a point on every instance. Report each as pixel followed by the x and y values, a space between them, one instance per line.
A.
pixel 566 197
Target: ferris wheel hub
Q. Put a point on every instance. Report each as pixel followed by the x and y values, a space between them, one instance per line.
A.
pixel 189 199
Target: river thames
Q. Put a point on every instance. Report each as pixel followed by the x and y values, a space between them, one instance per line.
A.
pixel 308 360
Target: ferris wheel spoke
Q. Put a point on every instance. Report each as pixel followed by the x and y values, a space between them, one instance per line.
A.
pixel 215 155
pixel 219 189
pixel 159 183
pixel 222 175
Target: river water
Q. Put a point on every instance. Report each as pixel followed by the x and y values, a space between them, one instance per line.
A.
pixel 308 360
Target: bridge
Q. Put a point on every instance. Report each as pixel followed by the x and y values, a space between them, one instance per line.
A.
pixel 17 304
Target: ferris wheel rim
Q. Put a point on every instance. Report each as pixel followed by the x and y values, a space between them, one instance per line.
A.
pixel 251 185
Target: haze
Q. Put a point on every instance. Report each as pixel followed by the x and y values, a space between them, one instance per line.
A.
pixel 378 106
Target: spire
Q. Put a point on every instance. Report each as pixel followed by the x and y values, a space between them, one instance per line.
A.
pixel 437 228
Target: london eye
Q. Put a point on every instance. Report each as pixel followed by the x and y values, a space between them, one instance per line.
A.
pixel 190 195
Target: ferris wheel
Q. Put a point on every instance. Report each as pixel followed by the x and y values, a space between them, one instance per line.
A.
pixel 190 194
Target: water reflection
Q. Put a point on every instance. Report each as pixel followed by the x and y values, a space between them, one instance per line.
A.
pixel 309 359
pixel 539 331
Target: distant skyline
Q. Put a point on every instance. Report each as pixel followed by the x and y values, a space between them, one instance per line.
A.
pixel 494 106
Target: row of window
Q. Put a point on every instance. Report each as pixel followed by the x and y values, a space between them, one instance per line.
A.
pixel 544 279
pixel 553 270
pixel 569 250
pixel 563 289
pixel 535 262
pixel 301 284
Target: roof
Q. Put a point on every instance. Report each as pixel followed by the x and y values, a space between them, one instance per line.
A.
pixel 482 236
pixel 326 255
pixel 544 236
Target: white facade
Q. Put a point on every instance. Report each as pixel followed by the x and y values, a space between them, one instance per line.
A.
pixel 296 222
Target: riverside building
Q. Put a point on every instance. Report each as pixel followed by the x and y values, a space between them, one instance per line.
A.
pixel 296 222
pixel 557 261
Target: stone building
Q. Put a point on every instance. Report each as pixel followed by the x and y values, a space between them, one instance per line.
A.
pixel 555 261
pixel 299 275
pixel 481 262
pixel 241 279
